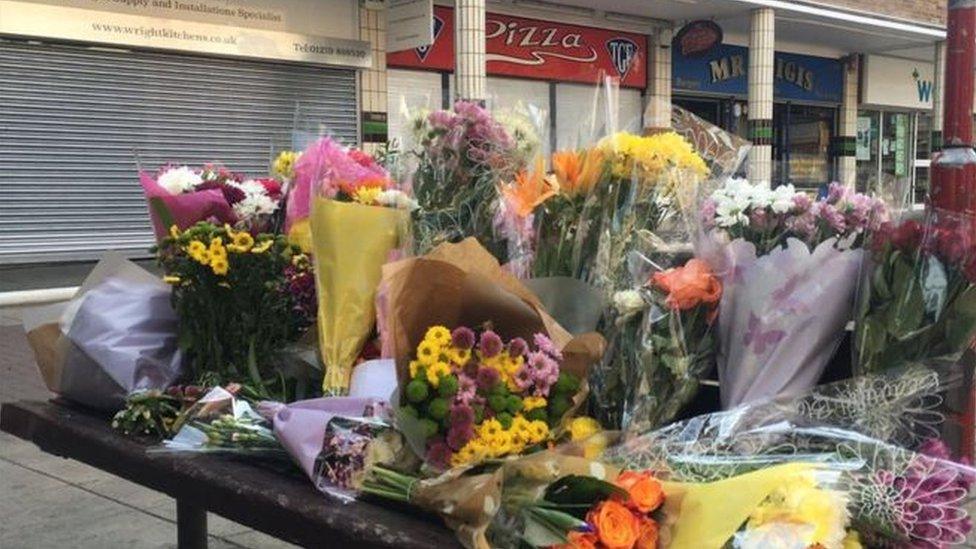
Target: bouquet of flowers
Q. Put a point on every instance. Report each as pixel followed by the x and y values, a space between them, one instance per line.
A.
pixel 584 511
pixel 892 496
pixel 661 346
pixel 356 218
pixel 240 300
pixel 462 156
pixel 183 196
pixel 221 422
pixel 788 265
pixel 476 397
pixel 918 299
pixel 516 218
pixel 466 396
pixel 639 200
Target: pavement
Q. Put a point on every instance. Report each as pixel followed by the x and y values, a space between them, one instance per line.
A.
pixel 53 502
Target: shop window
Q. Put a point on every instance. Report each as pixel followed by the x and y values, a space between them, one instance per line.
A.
pixel 523 102
pixel 868 136
pixel 896 150
pixel 801 145
pixel 409 94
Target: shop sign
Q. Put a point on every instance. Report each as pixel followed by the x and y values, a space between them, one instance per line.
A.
pixel 408 24
pixel 543 50
pixel 892 82
pixel 212 27
pixel 698 38
pixel 724 70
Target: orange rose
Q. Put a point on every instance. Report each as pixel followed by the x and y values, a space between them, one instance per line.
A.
pixel 688 286
pixel 645 491
pixel 616 526
pixel 648 535
pixel 578 540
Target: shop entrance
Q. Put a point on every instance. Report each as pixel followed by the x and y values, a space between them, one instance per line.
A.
pixel 801 145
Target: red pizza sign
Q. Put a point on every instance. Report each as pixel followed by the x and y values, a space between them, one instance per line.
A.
pixel 543 50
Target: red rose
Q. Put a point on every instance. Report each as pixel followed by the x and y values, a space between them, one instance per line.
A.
pixel 907 236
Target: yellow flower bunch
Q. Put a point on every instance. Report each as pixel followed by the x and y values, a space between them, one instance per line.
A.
pixel 647 157
pixel 801 501
pixel 494 441
pixel 284 164
pixel 367 196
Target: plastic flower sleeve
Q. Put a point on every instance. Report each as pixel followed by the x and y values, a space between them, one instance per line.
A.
pixel 221 422
pixel 894 495
pixel 918 295
pixel 118 335
pixel 183 210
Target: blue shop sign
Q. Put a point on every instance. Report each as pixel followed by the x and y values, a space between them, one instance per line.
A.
pixel 724 70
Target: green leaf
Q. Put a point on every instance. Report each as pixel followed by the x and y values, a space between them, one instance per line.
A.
pixel 908 309
pixel 960 321
pixel 546 527
pixel 580 490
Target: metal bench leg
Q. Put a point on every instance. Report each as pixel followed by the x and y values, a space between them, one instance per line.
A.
pixel 191 526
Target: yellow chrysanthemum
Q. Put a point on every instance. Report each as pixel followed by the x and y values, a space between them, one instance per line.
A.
pixel 501 444
pixel 436 371
pixel 263 247
pixel 530 403
pixel 490 428
pixel 195 247
pixel 459 356
pixel 539 431
pixel 174 231
pixel 583 427
pixel 647 157
pixel 241 242
pixel 439 335
pixel 219 265
pixel 368 196
pixel 428 352
pixel 284 164
pixel 415 367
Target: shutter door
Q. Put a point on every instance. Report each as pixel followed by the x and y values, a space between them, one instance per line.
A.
pixel 73 118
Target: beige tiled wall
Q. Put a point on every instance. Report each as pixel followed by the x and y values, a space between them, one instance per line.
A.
pixel 762 38
pixel 470 70
pixel 657 111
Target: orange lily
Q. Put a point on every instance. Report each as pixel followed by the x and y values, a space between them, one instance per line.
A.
pixel 530 189
pixel 577 171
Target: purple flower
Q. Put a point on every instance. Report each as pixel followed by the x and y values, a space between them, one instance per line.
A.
pixel 935 448
pixel 487 378
pixel 459 435
pixel 523 377
pixel 546 346
pixel 544 372
pixel 758 218
pixel 490 344
pixel 836 192
pixel 802 202
pixel 467 389
pixel 517 347
pixel 833 218
pixel 462 415
pixel 439 454
pixel 462 337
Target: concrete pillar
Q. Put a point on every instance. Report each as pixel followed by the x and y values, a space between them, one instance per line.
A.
pixel 845 145
pixel 469 67
pixel 938 95
pixel 372 81
pixel 657 104
pixel 762 37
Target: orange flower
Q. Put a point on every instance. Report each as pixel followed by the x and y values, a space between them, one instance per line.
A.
pixel 648 535
pixel 689 286
pixel 529 189
pixel 645 491
pixel 577 172
pixel 617 527
pixel 579 540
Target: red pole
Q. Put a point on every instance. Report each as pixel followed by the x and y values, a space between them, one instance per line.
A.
pixel 954 168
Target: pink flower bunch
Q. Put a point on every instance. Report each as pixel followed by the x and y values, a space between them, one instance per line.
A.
pixel 334 171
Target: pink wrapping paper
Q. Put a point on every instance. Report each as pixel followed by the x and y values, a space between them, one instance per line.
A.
pixel 183 210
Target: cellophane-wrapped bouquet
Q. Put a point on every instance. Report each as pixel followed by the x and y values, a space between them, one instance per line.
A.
pixel 462 156
pixel 356 217
pixel 662 344
pixel 789 264
pixel 183 196
pixel 918 295
pixel 477 397
pixel 884 494
pixel 241 300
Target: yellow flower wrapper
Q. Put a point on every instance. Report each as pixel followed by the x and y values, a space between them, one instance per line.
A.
pixel 350 244
pixel 707 515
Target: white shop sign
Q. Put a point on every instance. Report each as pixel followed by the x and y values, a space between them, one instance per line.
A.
pixel 266 30
pixel 893 82
pixel 409 24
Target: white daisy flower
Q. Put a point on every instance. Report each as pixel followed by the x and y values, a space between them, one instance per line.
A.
pixel 179 180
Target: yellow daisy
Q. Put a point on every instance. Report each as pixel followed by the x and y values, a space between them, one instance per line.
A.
pixel 219 266
pixel 530 403
pixel 427 352
pixel 439 335
pixel 263 247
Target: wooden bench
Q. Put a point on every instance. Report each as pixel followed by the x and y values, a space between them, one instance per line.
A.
pixel 282 503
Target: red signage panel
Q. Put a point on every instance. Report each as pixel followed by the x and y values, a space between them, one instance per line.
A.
pixel 542 50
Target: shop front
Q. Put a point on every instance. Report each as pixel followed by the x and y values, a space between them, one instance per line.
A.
pixel 714 84
pixel 93 91
pixel 545 72
pixel 895 137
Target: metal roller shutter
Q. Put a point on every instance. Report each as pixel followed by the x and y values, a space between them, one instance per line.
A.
pixel 72 119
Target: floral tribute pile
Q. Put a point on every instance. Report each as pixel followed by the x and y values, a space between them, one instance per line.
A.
pixel 477 397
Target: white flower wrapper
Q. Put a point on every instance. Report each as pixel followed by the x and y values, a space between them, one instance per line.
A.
pixel 782 315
